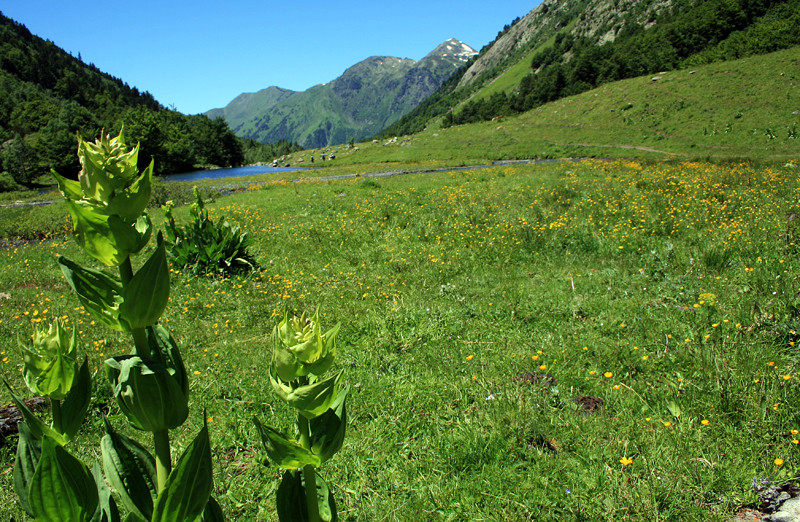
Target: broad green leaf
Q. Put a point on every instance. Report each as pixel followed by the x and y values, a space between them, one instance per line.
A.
pixel 106 237
pixel 29 450
pixel 56 378
pixel 62 488
pixel 327 431
pixel 212 512
pixel 132 201
pixel 107 510
pixel 189 485
pixel 76 403
pixel 145 296
pixel 147 392
pixel 50 365
pixel 329 340
pixel 37 428
pixel 284 364
pixel 130 470
pixel 144 227
pixel 291 499
pixel 99 293
pixel 325 500
pixel 71 189
pixel 165 350
pixel 284 452
pixel 311 400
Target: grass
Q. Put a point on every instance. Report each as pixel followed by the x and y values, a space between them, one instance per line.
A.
pixel 479 308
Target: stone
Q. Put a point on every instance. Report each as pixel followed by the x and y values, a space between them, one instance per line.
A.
pixel 747 515
pixel 789 511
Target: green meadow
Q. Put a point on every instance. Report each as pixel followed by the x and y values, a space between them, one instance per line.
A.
pixel 579 340
pixel 726 111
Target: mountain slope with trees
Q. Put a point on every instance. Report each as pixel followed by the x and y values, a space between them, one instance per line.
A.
pixel 564 48
pixel 48 96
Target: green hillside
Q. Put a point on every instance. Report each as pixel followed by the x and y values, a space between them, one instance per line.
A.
pixel 364 100
pixel 745 108
pixel 562 49
pixel 510 79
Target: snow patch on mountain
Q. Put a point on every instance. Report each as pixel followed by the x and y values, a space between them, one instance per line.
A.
pixel 453 48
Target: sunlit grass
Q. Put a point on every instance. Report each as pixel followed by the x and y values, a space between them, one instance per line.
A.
pixel 480 309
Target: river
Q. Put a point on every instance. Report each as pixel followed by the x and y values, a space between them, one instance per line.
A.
pixel 250 171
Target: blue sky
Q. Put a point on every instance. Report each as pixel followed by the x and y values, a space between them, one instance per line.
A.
pixel 198 55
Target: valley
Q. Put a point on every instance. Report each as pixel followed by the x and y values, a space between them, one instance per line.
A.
pixel 562 273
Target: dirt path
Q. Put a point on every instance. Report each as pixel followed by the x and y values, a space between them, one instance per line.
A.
pixel 635 147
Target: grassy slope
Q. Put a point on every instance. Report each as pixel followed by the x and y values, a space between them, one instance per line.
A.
pixel 449 285
pixel 513 75
pixel 723 110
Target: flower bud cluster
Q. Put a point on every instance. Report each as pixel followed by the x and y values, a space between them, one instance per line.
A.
pixel 108 201
pixel 50 362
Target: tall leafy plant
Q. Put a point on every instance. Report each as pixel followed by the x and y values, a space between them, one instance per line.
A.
pixel 51 370
pixel 302 356
pixel 108 208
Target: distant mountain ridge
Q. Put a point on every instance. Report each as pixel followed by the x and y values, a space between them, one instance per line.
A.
pixel 364 100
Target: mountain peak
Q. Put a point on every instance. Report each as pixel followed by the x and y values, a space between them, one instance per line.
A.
pixel 453 48
pixel 365 99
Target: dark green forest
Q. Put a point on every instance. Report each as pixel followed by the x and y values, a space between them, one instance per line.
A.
pixel 691 33
pixel 49 98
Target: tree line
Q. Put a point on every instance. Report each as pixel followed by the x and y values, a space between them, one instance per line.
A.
pixel 49 98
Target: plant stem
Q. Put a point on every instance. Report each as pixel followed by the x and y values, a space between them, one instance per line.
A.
pixel 309 474
pixel 163 459
pixel 139 334
pixel 302 426
pixel 161 437
pixel 126 271
pixel 55 406
pixel 140 342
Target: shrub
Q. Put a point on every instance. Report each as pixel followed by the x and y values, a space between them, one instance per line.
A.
pixel 205 246
pixel 7 183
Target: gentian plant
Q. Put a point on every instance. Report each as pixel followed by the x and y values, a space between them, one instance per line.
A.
pixel 51 370
pixel 301 357
pixel 108 207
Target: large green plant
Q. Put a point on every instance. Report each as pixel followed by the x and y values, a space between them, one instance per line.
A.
pixel 107 204
pixel 205 246
pixel 51 370
pixel 301 357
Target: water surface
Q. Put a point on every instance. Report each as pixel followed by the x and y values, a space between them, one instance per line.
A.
pixel 227 173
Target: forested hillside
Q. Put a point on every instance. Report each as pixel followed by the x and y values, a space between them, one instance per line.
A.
pixel 48 97
pixel 576 53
